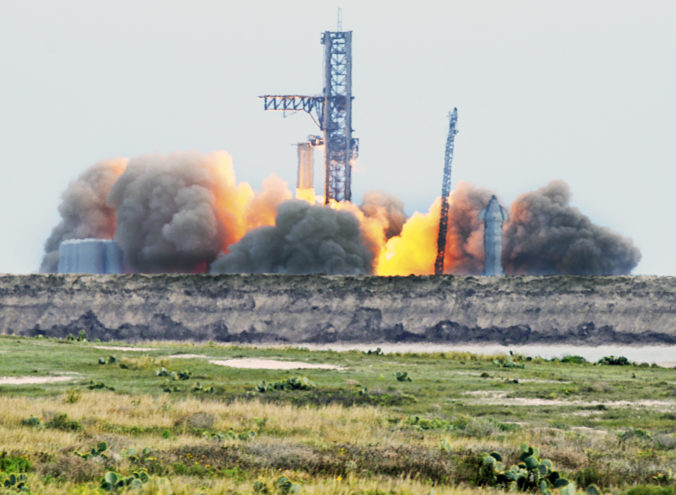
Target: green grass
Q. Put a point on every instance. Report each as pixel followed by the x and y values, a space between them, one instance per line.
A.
pixel 596 422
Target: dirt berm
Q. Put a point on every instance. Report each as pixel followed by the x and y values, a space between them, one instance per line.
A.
pixel 318 308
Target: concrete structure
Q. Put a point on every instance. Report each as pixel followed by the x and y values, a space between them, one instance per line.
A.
pixel 99 256
pixel 493 216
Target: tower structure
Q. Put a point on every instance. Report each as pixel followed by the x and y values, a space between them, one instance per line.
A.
pixel 445 192
pixel 332 112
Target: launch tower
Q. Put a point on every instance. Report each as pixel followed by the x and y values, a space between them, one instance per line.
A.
pixel 332 112
pixel 445 192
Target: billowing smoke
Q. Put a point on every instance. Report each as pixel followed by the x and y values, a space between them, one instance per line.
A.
pixel 387 209
pixel 168 213
pixel 186 212
pixel 464 241
pixel 176 212
pixel 546 236
pixel 304 239
pixel 414 250
pixel 83 209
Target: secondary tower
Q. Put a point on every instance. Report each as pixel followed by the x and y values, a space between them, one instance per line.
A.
pixel 445 192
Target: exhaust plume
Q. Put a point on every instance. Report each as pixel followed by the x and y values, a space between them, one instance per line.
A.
pixel 413 251
pixel 546 236
pixel 186 212
pixel 304 239
pixel 387 209
pixel 83 209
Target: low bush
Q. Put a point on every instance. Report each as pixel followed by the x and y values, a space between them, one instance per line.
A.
pixel 62 422
pixel 614 361
pixel 14 464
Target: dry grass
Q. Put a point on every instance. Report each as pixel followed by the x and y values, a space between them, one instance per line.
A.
pixel 349 485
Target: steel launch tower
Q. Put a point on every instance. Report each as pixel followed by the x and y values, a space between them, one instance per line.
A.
pixel 332 112
pixel 445 192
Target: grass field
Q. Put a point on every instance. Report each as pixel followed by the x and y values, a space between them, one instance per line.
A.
pixel 393 423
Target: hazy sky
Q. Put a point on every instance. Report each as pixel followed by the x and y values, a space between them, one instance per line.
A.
pixel 581 90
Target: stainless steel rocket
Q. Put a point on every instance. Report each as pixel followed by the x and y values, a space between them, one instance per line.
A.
pixel 493 216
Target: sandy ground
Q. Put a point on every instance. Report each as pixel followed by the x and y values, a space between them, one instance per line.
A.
pixel 499 398
pixel 187 356
pixel 33 380
pixel 114 348
pixel 272 364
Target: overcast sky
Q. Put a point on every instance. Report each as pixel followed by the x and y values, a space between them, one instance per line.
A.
pixel 581 90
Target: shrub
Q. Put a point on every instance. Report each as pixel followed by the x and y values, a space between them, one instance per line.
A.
pixel 61 422
pixel 72 396
pixel 614 361
pixel 99 450
pixel 402 376
pixel 14 482
pixel 650 490
pixel 14 464
pixel 293 383
pixel 573 359
pixel 112 480
pixel 532 473
pixel 32 422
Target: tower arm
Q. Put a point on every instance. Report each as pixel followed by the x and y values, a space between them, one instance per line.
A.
pixel 312 105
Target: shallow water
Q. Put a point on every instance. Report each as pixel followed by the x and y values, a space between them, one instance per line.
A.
pixel 664 355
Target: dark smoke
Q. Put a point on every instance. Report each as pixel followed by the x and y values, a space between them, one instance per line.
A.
pixel 83 210
pixel 304 239
pixel 166 213
pixel 387 208
pixel 464 241
pixel 547 236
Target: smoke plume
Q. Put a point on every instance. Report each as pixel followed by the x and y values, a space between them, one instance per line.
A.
pixel 186 212
pixel 387 209
pixel 547 236
pixel 304 239
pixel 176 212
pixel 83 209
pixel 414 250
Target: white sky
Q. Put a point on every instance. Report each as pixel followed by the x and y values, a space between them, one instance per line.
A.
pixel 582 90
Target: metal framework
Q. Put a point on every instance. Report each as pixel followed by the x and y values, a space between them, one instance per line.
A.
pixel 332 112
pixel 445 192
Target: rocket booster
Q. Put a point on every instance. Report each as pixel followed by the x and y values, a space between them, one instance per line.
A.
pixel 493 216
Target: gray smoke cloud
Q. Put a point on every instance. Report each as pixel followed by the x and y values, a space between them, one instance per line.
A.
pixel 547 236
pixel 166 212
pixel 464 241
pixel 83 209
pixel 304 239
pixel 387 208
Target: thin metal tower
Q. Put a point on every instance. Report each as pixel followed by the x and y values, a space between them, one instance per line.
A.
pixel 445 192
pixel 332 112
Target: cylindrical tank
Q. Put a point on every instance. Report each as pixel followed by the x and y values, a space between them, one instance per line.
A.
pixel 90 256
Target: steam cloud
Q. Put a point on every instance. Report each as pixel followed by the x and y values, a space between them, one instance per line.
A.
pixel 304 239
pixel 83 209
pixel 546 236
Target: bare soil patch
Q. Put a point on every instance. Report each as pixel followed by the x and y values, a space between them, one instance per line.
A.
pixel 272 364
pixel 33 380
pixel 122 348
